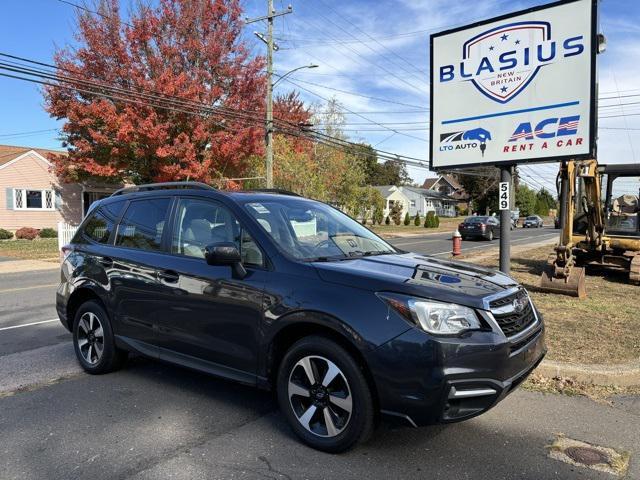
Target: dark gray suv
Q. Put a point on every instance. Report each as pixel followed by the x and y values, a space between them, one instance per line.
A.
pixel 285 293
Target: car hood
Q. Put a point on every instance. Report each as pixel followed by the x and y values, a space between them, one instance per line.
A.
pixel 420 275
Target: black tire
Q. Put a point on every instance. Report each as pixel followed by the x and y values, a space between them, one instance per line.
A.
pixel 111 358
pixel 360 423
pixel 490 237
pixel 464 238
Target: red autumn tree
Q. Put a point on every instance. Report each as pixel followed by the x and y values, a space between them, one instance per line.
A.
pixel 189 49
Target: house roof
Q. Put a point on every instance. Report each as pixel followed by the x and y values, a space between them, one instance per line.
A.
pixel 430 182
pixel 430 193
pixel 385 190
pixel 11 152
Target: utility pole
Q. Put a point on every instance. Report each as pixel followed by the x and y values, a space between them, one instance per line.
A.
pixel 505 200
pixel 271 47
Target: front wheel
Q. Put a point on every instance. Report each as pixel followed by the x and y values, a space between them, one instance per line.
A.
pixel 324 395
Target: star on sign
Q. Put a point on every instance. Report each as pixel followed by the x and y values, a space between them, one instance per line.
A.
pixel 491 48
pixel 504 37
pixel 503 89
pixel 517 42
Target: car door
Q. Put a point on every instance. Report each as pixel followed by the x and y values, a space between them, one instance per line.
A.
pixel 214 319
pixel 135 272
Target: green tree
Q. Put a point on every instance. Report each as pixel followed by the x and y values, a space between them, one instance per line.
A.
pixel 416 220
pixel 525 200
pixel 544 202
pixel 407 219
pixel 387 221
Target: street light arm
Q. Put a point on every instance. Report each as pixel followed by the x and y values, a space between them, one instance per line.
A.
pixel 282 77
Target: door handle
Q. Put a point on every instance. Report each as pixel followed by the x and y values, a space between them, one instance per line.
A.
pixel 168 276
pixel 105 262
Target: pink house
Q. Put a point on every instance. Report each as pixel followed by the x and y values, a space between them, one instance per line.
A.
pixel 32 196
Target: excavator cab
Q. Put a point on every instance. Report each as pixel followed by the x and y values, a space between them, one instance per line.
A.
pixel 600 228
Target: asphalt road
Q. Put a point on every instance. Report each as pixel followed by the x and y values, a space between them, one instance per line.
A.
pixel 153 421
pixel 440 244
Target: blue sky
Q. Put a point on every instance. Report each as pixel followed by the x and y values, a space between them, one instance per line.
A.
pixel 368 48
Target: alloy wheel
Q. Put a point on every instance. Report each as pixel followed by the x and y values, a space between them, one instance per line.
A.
pixel 90 338
pixel 320 396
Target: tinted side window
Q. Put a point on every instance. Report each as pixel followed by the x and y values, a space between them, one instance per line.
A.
pixel 143 223
pixel 100 223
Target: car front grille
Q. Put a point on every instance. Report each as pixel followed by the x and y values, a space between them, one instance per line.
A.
pixel 513 313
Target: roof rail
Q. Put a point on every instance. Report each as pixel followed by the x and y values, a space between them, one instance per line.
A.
pixel 163 186
pixel 276 190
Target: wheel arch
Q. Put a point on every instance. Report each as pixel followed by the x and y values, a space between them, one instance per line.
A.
pixel 299 325
pixel 80 296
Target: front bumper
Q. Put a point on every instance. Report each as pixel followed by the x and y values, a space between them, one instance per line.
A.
pixel 427 380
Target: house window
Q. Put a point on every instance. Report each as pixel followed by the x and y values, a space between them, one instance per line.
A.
pixel 28 199
pixel 413 203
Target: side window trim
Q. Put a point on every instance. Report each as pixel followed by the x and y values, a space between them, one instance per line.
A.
pixel 116 224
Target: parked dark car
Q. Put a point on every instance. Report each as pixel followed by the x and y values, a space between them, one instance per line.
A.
pixel 486 228
pixel 533 221
pixel 285 293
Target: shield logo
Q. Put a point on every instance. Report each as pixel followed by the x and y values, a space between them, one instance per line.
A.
pixel 490 49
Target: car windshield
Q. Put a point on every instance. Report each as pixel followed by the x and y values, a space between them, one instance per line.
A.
pixel 313 231
pixel 476 220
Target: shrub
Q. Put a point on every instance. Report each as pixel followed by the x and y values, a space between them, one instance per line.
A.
pixel 430 220
pixel 416 220
pixel 5 234
pixel 48 233
pixel 436 221
pixel 387 221
pixel 407 219
pixel 27 233
pixel 378 216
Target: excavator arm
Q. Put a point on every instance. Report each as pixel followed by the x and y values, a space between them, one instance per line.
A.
pixel 561 274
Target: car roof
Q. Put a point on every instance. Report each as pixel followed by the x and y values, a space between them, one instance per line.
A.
pixel 240 196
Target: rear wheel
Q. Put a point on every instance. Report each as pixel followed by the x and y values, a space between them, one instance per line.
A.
pixel 490 237
pixel 324 395
pixel 93 340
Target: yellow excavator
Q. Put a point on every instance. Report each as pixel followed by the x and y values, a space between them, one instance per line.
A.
pixel 597 231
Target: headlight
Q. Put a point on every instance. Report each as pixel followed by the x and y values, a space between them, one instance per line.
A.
pixel 437 318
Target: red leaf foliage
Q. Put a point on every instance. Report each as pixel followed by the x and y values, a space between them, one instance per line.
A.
pixel 180 48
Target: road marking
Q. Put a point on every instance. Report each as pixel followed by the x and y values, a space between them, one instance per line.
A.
pixel 28 288
pixel 398 244
pixel 29 324
pixel 489 245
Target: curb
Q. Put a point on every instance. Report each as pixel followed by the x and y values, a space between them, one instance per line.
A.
pixel 18 266
pixel 623 375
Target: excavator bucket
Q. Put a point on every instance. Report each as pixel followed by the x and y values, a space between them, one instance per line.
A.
pixel 572 285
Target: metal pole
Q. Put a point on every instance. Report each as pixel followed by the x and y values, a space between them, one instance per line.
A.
pixel 505 226
pixel 269 125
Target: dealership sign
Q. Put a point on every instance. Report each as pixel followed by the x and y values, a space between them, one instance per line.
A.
pixel 517 88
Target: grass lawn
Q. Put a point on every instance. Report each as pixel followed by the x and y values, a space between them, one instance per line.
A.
pixel 446 225
pixel 603 328
pixel 40 248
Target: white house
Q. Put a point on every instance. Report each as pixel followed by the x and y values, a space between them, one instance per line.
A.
pixel 417 200
pixel 393 195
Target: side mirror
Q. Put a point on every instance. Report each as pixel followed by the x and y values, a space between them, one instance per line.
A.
pixel 225 253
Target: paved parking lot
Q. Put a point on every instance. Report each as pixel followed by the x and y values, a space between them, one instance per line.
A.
pixel 153 421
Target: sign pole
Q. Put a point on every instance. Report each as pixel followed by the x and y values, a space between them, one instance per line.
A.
pixel 504 201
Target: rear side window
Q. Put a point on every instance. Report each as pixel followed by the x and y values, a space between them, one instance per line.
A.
pixel 101 223
pixel 143 223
